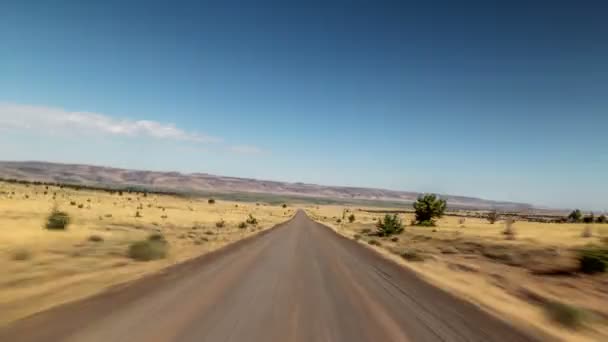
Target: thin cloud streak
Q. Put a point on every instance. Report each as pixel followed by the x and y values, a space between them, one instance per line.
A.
pixel 52 119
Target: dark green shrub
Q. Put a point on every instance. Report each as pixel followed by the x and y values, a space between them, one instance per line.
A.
pixel 251 220
pixel 593 260
pixel 589 218
pixel 426 224
pixel 492 216
pixel 389 226
pixel 242 225
pixel 575 216
pixel 57 220
pixel 211 201
pixel 147 250
pixel 428 207
pixel 284 205
pixel 565 315
pixel 351 218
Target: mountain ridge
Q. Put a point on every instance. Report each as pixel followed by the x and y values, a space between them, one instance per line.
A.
pixel 92 175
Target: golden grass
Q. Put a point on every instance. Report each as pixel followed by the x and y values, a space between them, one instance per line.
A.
pixel 498 288
pixel 42 268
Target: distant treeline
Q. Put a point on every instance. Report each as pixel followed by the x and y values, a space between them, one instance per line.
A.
pixel 106 188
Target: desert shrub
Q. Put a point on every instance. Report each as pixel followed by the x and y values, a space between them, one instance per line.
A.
pixel 220 224
pixel 211 201
pixel 57 220
pixel 137 214
pixel 357 236
pixel 589 218
pixel 601 219
pixel 492 216
pixel 150 249
pixel 80 206
pixel 95 238
pixel 374 242
pixel 21 255
pixel 108 215
pixel 428 207
pixel 575 216
pixel 426 223
pixel 391 224
pixel 563 314
pixel 395 239
pixel 242 225
pixel 209 232
pixel 163 216
pixel 284 205
pixel 339 221
pixel 156 237
pixel 461 220
pixel 251 220
pixel 593 260
pixel 72 203
pixel 411 255
pixel 366 231
pixel 351 218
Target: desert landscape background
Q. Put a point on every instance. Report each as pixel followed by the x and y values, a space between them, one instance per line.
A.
pixel 523 266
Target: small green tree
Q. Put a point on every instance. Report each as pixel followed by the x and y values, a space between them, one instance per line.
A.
pixel 351 218
pixel 492 216
pixel 391 224
pixel 428 207
pixel 575 216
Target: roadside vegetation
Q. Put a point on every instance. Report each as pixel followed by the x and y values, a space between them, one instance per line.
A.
pixel 62 243
pixel 549 271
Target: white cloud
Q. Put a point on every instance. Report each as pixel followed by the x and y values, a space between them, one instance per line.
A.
pixel 245 149
pixel 56 119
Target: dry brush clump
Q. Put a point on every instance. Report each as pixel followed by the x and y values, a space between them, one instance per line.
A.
pixel 57 220
pixel 153 248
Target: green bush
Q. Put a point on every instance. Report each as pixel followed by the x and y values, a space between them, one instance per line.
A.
pixel 391 224
pixel 251 220
pixel 565 315
pixel 428 207
pixel 492 216
pixel 284 205
pixel 575 216
pixel 57 220
pixel 351 218
pixel 593 260
pixel 153 248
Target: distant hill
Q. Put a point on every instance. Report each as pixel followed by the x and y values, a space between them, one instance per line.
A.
pixel 202 183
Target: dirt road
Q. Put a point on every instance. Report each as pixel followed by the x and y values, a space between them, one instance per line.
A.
pixel 298 282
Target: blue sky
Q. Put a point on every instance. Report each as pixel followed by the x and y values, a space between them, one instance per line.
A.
pixel 506 102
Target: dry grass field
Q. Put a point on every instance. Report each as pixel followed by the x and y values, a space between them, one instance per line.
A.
pixel 41 268
pixel 531 279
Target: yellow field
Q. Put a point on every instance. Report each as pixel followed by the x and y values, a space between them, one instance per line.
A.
pixel 42 268
pixel 513 279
